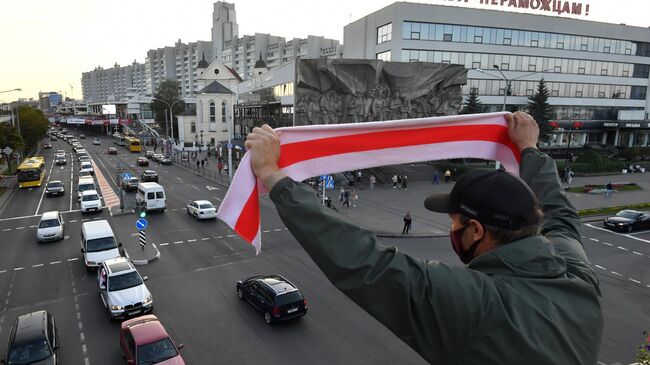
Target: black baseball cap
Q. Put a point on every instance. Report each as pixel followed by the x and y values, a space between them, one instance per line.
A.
pixel 493 197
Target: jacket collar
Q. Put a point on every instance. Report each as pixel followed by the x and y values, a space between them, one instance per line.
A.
pixel 533 257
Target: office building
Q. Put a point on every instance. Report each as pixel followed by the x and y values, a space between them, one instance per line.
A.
pixel 109 86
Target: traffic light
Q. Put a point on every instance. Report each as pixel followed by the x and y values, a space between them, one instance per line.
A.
pixel 143 214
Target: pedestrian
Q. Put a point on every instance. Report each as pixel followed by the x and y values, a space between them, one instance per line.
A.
pixel 399 181
pixel 436 177
pixel 197 164
pixel 523 265
pixel 203 164
pixel 563 176
pixel 346 198
pixel 373 180
pixel 569 176
pixel 394 178
pixel 219 166
pixel 341 194
pixel 405 180
pixel 354 197
pixel 407 223
pixel 225 168
pixel 609 189
pixel 351 181
pixel 447 176
pixel 359 177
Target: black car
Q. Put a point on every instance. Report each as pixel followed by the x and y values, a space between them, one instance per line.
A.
pixel 628 220
pixel 54 187
pixel 131 184
pixel 34 338
pixel 274 296
pixel 149 175
pixel 47 146
pixel 60 160
pixel 165 161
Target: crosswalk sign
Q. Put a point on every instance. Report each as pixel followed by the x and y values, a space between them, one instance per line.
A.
pixel 329 181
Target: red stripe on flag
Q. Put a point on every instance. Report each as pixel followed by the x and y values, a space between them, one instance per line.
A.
pixel 249 220
pixel 296 152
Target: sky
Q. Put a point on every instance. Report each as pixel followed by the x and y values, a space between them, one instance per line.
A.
pixel 46 45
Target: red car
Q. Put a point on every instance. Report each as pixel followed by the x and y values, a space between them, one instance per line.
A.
pixel 144 341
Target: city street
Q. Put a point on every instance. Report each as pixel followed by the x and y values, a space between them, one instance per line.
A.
pixel 193 281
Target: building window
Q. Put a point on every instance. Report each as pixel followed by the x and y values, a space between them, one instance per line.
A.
pixel 532 68
pixel 578 94
pixel 555 92
pixel 628 51
pixel 224 110
pixel 507 41
pixel 476 65
pixel 384 56
pixel 505 66
pixel 384 33
pixel 530 92
pixel 557 69
pixel 583 47
pixel 534 43
pixel 625 73
pixel 478 39
pixel 606 49
pixel 447 37
pixel 601 94
pixel 581 70
pixel 560 45
pixel 212 112
pixel 193 127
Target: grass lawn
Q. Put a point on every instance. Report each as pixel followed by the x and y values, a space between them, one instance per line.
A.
pixel 613 210
pixel 617 187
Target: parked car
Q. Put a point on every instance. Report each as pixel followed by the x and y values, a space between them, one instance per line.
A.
pixel 112 151
pixel 201 209
pixel 97 141
pixel 90 201
pixel 50 228
pixel 142 161
pixel 54 187
pixel 34 339
pixel 144 340
pixel 628 220
pixel 47 146
pixel 274 296
pixel 149 176
pixel 82 136
pixel 165 161
pixel 131 184
pixel 122 289
pixel 148 154
pixel 59 159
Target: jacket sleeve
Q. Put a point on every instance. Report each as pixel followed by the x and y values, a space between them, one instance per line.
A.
pixel 561 225
pixel 431 306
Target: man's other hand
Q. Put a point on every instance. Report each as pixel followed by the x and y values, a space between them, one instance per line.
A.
pixel 264 146
pixel 522 130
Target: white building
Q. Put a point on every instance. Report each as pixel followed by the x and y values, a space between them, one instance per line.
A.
pixel 109 85
pixel 224 26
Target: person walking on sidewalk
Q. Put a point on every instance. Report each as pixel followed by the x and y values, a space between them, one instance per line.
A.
pixel 407 223
pixel 436 177
pixel 609 189
pixel 405 180
pixel 219 166
pixel 197 165
pixel 359 177
pixel 341 194
pixel 354 197
pixel 203 164
pixel 346 198
pixel 399 181
pixel 394 178
pixel 373 180
pixel 569 176
pixel 447 176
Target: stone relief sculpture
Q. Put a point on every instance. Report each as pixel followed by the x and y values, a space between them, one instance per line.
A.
pixel 355 91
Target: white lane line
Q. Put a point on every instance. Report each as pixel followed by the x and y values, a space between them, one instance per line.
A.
pixel 277 230
pixel 3 271
pixel 37 265
pixel 33 226
pixel 266 231
pixel 205 238
pixel 619 234
pixel 177 242
pixel 55 262
pixel 637 253
pixel 175 209
pixel 227 245
pixel 230 235
pixel 20 227
pixel 622 248
pixel 188 241
pixel 19 268
pixel 600 267
pixel 72 221
pixel 634 280
pixel 6 229
pixel 593 239
pixel 71 182
pixel 607 243
pixel 40 201
pixel 178 178
pixel 219 199
pixel 164 244
pixel 218 237
pixel 615 273
pixel 73 259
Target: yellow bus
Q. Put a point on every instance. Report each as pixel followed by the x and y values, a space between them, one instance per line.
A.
pixel 133 144
pixel 31 172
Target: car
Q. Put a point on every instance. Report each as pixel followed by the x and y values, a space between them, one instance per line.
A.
pixel 86 166
pixel 59 159
pixel 628 220
pixel 53 138
pixel 148 154
pixel 112 151
pixel 201 209
pixel 59 152
pixel 82 136
pixel 144 340
pixel 97 141
pixel 90 201
pixel 273 295
pixel 85 173
pixel 165 161
pixel 83 156
pixel 64 131
pixel 149 176
pixel 131 184
pixel 47 146
pixel 34 339
pixel 54 187
pixel 142 161
pixel 50 228
pixel 122 289
pixel 79 149
pixel 157 156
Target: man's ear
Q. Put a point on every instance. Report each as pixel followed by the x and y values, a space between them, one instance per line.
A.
pixel 477 229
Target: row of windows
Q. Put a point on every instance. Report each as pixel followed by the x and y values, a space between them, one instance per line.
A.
pixel 564 112
pixel 384 33
pixel 511 37
pixel 556 89
pixel 213 111
pixel 528 63
pixel 384 56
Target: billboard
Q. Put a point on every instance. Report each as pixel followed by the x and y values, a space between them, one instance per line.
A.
pixel 109 109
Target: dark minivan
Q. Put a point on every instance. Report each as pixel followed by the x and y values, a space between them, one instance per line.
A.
pixel 273 295
pixel 34 339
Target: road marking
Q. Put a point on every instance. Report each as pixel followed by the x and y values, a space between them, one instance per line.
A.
pixel 211 187
pixel 600 267
pixel 37 265
pixel 178 178
pixel 277 230
pixel 634 281
pixel 72 192
pixel 196 188
pixel 219 199
pixel 593 239
pixel 55 262
pixel 6 229
pixel 73 259
pixel 619 234
pixel 188 241
pixel 230 235
pixel 622 248
pixel 607 243
pixel 637 253
pixel 615 273
pixel 40 201
pixel 164 244
pixel 225 243
pixel 3 271
pixel 20 227
pixel 72 221
pixel 19 268
pixel 33 226
pixel 177 242
pixel 22 217
pixel 205 238
pixel 266 231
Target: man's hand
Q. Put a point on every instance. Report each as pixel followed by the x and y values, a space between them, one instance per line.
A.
pixel 522 130
pixel 264 146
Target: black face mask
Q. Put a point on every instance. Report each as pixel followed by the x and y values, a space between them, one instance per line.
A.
pixel 457 244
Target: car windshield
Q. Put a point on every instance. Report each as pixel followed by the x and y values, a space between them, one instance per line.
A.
pixel 90 197
pixel 85 187
pixel 290 297
pixel 30 352
pixel 60 157
pixel 206 206
pixel 627 214
pixel 54 184
pixel 101 244
pixel 124 281
pixel 155 352
pixel 29 175
pixel 86 165
pixel 134 181
pixel 49 223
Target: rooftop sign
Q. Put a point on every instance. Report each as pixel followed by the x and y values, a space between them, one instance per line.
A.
pixel 544 6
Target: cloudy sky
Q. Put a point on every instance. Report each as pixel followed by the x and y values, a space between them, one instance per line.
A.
pixel 46 44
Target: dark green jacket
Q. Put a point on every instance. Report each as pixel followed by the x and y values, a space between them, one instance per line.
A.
pixel 532 301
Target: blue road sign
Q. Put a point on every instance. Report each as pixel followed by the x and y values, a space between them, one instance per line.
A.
pixel 126 176
pixel 229 145
pixel 329 182
pixel 141 224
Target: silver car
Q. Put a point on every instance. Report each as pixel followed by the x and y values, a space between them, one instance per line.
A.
pixel 122 289
pixel 50 227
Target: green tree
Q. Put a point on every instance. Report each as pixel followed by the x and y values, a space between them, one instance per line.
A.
pixel 540 110
pixel 169 91
pixel 33 126
pixel 473 104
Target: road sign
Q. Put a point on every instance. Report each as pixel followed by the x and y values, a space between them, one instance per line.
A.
pixel 126 176
pixel 229 145
pixel 143 238
pixel 7 150
pixel 141 224
pixel 329 182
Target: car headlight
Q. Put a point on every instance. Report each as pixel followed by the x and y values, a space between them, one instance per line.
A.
pixel 91 263
pixel 621 224
pixel 148 299
pixel 116 307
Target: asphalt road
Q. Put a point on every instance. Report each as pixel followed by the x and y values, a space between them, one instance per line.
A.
pixel 193 282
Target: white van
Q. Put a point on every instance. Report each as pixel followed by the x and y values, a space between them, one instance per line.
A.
pixel 98 243
pixel 85 183
pixel 152 196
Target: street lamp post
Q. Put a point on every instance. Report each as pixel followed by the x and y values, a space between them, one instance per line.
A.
pixel 171 115
pixel 574 126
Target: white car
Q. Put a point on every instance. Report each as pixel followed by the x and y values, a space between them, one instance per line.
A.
pixel 122 289
pixel 201 209
pixel 86 166
pixel 90 201
pixel 50 227
pixel 97 141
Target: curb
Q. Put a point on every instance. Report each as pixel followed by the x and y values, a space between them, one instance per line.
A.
pixel 118 212
pixel 399 235
pixel 145 261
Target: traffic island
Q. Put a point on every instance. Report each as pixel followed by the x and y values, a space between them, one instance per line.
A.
pixel 138 254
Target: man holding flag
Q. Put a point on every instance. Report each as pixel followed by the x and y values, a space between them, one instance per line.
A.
pixel 527 293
